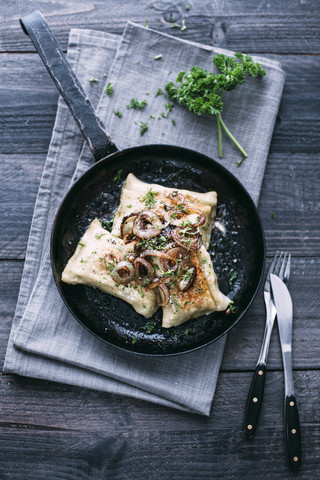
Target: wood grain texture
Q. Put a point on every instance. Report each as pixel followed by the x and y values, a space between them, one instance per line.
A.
pixel 272 26
pixel 29 102
pixel 103 436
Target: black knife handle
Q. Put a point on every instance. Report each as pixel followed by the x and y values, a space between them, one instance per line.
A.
pixel 292 432
pixel 68 85
pixel 254 401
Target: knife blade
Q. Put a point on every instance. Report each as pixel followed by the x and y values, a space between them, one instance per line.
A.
pixel 283 303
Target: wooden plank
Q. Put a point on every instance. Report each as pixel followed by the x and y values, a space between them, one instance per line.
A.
pixel 249 26
pixel 36 404
pixel 95 434
pixel 287 206
pixel 29 102
pixel 245 339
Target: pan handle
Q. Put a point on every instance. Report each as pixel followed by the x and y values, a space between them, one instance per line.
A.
pixel 68 85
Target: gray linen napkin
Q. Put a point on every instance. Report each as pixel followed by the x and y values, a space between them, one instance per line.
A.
pixel 46 341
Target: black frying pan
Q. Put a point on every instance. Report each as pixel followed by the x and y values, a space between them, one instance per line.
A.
pixel 241 249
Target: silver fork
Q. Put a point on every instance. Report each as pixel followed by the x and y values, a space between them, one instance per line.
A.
pixel 280 266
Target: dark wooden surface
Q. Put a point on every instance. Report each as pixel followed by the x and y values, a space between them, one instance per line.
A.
pixel 51 431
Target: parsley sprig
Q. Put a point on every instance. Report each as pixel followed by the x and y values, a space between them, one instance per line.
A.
pixel 201 91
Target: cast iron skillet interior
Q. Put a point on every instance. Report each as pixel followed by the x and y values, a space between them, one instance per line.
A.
pixel 237 254
pixel 237 250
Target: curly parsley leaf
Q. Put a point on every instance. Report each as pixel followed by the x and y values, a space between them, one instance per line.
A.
pixel 201 91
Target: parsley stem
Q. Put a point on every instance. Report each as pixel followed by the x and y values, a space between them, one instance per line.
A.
pixel 237 144
pixel 219 135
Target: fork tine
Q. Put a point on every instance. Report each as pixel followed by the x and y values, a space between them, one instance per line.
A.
pixel 283 265
pixel 287 270
pixel 278 264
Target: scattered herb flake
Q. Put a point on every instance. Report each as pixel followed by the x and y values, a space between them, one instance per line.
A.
pixel 158 57
pixel 117 176
pixel 136 105
pixel 146 23
pixel 134 340
pixel 93 81
pixel 184 26
pixel 109 89
pixel 232 278
pixel 273 214
pixel 99 235
pixel 173 122
pixel 149 327
pixel 143 128
pixel 159 92
pixel 187 7
pixel 81 244
pixel 116 112
pixel 149 199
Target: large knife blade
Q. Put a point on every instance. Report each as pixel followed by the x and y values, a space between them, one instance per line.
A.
pixel 283 303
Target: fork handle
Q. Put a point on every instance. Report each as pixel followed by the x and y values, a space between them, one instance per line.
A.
pixel 254 401
pixel 292 432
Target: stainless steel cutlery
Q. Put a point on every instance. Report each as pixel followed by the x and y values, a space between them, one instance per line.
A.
pixel 278 303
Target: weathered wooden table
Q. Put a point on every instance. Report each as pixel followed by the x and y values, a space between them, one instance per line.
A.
pixel 59 432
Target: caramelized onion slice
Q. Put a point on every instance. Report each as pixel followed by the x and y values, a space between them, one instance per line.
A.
pixel 176 197
pixel 123 272
pixel 188 278
pixel 178 257
pixel 202 217
pixel 143 277
pixel 155 253
pixel 124 221
pixel 147 225
pixel 190 239
pixel 162 294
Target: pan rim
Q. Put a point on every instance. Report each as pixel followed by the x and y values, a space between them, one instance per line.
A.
pixel 219 166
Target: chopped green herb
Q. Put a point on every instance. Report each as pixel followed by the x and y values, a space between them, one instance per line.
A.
pixel 134 340
pixel 173 122
pixel 129 206
pixel 83 261
pixel 134 103
pixel 175 25
pixel 157 57
pixel 116 112
pixel 201 91
pixel 143 128
pixel 232 278
pixel 99 235
pixel 152 116
pixel 108 224
pixel 171 177
pixel 187 7
pixel 273 214
pixel 187 331
pixel 104 75
pixel 93 81
pixel 146 23
pixel 149 327
pixel 117 177
pixel 174 303
pixel 149 199
pixel 184 26
pixel 159 92
pixel 231 307
pixel 109 89
pixel 81 244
